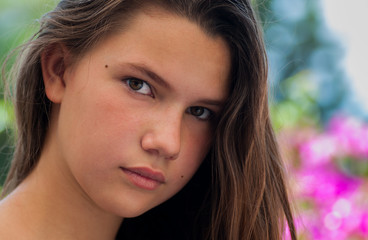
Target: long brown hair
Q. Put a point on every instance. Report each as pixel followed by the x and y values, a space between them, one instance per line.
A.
pixel 243 175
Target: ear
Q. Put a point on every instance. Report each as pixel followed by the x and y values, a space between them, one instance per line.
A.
pixel 53 63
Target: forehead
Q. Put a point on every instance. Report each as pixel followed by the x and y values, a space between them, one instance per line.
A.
pixel 173 47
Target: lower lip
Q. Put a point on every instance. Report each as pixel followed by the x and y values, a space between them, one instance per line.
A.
pixel 141 181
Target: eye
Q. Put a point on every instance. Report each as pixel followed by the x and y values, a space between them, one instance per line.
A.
pixel 139 86
pixel 201 113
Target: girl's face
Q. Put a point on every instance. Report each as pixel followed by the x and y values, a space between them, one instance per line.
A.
pixel 135 119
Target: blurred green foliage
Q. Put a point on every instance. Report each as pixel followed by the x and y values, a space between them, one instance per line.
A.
pixel 308 84
pixel 18 22
pixel 298 107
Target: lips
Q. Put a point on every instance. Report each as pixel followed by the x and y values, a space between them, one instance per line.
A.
pixel 145 178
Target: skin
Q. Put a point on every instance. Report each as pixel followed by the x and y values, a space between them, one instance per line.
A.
pixel 104 120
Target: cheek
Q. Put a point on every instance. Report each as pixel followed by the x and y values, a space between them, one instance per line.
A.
pixel 194 150
pixel 198 139
pixel 92 125
pixel 200 145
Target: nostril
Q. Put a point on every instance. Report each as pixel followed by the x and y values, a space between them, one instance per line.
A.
pixel 173 157
pixel 153 151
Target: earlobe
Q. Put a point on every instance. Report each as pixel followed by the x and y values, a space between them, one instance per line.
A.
pixel 53 63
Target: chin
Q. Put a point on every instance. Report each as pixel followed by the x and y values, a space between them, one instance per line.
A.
pixel 132 211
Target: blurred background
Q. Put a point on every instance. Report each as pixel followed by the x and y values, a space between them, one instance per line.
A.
pixel 318 81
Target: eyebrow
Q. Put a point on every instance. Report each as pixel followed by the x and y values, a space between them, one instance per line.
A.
pixel 145 70
pixel 215 103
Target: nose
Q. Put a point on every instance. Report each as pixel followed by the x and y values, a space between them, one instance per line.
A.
pixel 163 137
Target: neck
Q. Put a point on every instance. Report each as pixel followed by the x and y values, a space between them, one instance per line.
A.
pixel 46 205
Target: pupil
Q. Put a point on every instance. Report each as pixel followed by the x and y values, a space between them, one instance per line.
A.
pixel 135 84
pixel 197 111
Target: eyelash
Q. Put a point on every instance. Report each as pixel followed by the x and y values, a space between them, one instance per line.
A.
pixel 207 112
pixel 144 84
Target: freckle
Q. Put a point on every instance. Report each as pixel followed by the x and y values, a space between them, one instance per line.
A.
pixel 106 66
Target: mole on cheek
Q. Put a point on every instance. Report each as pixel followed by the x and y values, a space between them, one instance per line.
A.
pixel 106 66
pixel 182 176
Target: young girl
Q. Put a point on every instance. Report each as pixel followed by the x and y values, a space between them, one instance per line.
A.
pixel 119 103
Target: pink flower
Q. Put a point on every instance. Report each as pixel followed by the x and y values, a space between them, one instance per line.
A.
pixel 351 135
pixel 318 151
pixel 330 180
pixel 325 184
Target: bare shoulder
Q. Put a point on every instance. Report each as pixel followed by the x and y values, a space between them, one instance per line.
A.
pixel 6 226
pixel 11 227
